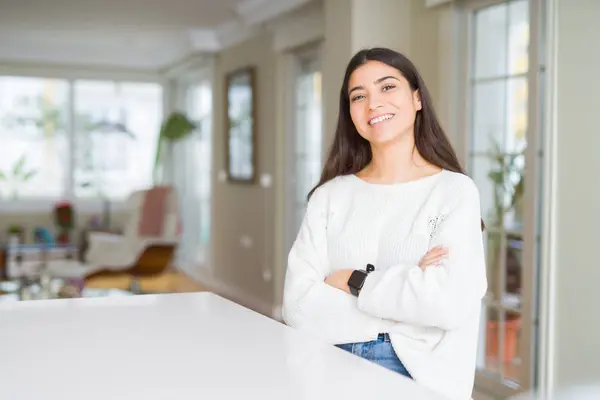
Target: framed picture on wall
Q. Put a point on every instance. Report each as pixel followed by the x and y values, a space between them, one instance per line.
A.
pixel 241 125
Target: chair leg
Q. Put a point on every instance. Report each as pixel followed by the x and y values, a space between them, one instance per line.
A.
pixel 135 287
pixel 153 261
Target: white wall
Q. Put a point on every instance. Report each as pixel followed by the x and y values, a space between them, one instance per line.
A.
pixel 386 23
pixel 406 26
pixel 576 199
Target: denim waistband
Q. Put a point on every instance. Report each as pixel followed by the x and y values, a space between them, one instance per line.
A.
pixel 383 337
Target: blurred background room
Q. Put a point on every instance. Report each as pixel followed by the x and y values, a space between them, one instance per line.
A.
pixel 152 146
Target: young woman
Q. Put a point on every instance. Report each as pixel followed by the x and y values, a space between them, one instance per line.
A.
pixel 389 261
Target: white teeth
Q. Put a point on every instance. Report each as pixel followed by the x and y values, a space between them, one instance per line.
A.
pixel 380 119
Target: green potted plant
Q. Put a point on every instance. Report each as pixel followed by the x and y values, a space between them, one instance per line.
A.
pixel 176 126
pixel 15 233
pixel 507 176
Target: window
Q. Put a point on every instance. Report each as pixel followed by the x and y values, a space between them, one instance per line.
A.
pixel 308 139
pixel 199 105
pixel 498 88
pixel 81 138
pixel 117 126
pixel 34 135
pixel 190 170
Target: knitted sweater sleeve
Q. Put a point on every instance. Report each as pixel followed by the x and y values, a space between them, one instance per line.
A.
pixel 308 302
pixel 442 296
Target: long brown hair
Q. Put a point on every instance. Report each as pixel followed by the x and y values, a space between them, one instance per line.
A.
pixel 350 152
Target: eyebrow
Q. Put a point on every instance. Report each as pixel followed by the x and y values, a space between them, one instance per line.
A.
pixel 376 82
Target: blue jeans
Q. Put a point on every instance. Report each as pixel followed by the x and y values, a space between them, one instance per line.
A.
pixel 379 351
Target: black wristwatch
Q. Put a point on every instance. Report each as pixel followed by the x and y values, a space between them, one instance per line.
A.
pixel 357 279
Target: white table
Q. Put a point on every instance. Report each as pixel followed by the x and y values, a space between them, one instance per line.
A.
pixel 175 346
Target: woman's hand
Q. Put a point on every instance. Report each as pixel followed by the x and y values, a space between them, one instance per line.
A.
pixel 433 257
pixel 339 279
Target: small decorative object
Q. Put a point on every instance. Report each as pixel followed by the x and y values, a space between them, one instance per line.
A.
pixel 15 234
pixel 70 290
pixel 241 125
pixel 95 222
pixel 42 235
pixel 64 220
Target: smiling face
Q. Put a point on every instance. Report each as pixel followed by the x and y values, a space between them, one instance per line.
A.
pixel 383 106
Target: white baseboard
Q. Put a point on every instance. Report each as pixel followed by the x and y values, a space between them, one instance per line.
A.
pixel 195 272
pixel 277 314
pixel 481 396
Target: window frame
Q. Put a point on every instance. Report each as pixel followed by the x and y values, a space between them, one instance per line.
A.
pixel 532 210
pixel 70 75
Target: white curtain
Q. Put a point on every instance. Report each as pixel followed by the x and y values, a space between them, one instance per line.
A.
pixel 185 181
pixel 187 165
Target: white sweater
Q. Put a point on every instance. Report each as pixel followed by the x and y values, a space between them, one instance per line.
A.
pixel 432 316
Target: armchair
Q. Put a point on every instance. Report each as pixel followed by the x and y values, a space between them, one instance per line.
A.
pixel 147 245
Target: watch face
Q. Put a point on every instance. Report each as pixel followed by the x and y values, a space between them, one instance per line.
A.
pixel 357 279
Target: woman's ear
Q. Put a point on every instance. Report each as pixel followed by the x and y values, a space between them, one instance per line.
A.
pixel 417 100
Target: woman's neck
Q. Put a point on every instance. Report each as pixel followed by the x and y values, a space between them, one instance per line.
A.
pixel 398 161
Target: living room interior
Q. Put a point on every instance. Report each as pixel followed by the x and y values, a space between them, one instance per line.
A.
pixel 168 147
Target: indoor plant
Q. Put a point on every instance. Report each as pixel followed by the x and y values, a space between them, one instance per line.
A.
pixel 64 220
pixel 507 177
pixel 176 127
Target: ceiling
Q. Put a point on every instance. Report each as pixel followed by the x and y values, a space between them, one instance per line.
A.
pixel 138 34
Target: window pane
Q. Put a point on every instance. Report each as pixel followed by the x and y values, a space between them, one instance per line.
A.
pixel 205 223
pixel 489 116
pixel 490 41
pixel 117 128
pixel 33 131
pixel 511 361
pixel 502 343
pixel 500 180
pixel 499 118
pixel 307 141
pixel 516 117
pixel 301 127
pixel 199 107
pixel 241 142
pixel 500 115
pixel 315 136
pixel 481 167
pixel 514 181
pixel 518 37
pixel 492 341
pixel 494 247
pixel 504 255
pixel 514 270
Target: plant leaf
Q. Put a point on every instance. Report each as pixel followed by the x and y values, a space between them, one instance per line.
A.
pixel 177 126
pixel 18 167
pixel 497 177
pixel 518 192
pixel 29 175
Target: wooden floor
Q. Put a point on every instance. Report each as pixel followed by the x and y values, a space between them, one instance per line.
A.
pixel 169 282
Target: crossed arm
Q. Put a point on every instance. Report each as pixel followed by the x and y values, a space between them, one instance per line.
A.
pixel 441 291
